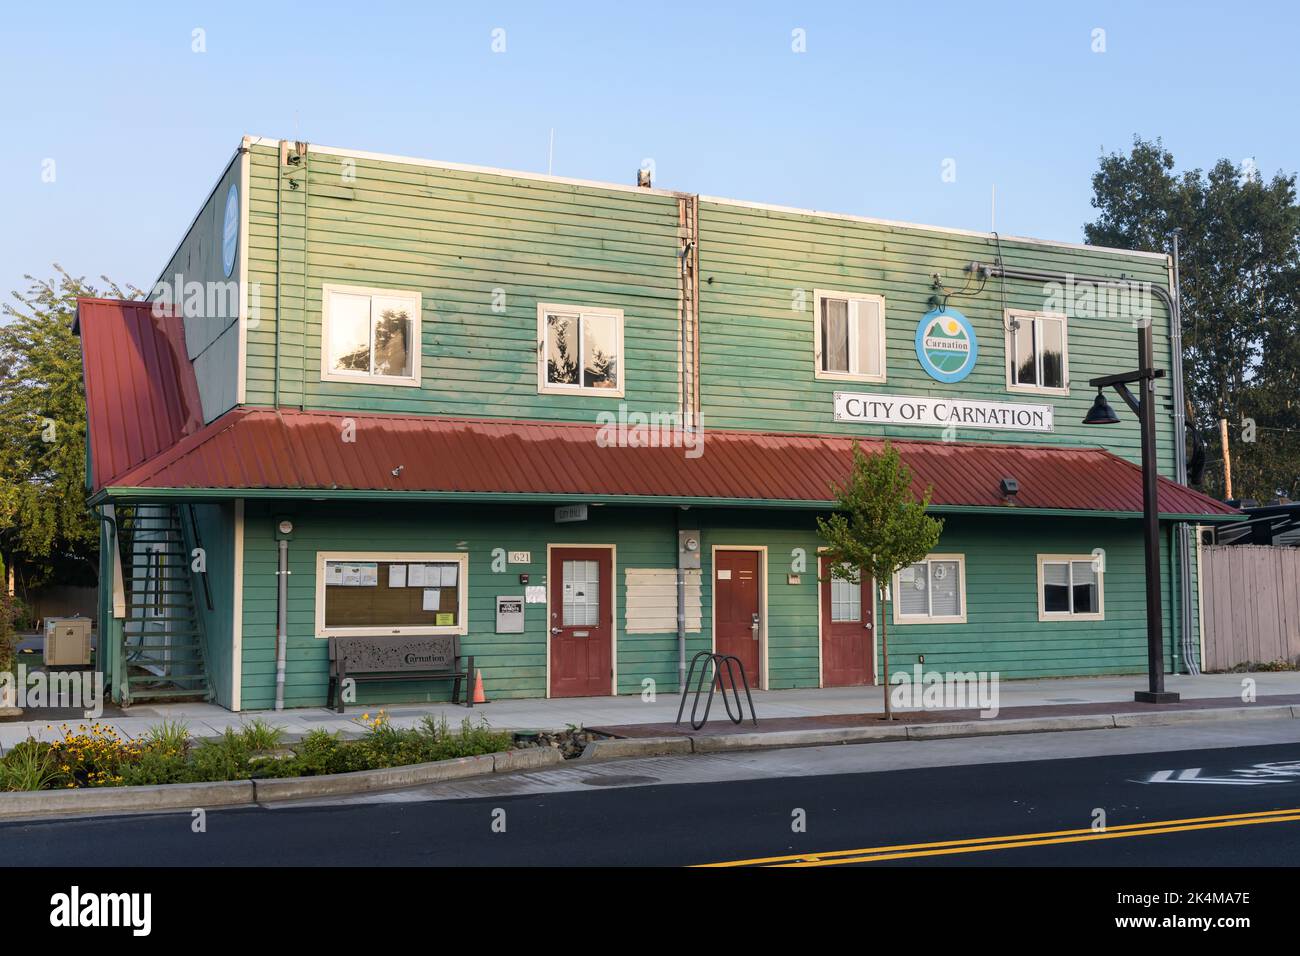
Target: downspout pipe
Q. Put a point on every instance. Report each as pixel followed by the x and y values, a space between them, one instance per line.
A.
pixel 281 622
pixel 1180 437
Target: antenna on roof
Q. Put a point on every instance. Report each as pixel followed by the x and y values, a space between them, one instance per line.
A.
pixel 993 210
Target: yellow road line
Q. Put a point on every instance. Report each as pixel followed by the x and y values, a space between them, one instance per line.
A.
pixel 976 844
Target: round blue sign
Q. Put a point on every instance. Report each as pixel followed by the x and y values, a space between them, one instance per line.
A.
pixel 230 230
pixel 946 345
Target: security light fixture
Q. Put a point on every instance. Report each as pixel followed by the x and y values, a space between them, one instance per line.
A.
pixel 1009 487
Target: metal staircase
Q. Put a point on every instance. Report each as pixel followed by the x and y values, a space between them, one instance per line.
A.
pixel 163 639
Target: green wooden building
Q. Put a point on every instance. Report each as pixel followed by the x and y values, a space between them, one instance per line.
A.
pixel 619 409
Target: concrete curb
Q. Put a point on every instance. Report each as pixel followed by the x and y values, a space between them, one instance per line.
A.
pixel 173 796
pixel 799 738
pixel 90 800
pixel 617 748
pixel 1160 718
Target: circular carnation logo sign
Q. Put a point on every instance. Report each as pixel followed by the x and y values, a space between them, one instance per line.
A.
pixel 945 345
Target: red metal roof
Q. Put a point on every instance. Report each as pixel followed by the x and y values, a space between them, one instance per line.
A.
pixel 256 448
pixel 141 393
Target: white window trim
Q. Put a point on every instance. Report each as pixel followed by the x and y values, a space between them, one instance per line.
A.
pixel 900 618
pixel 415 557
pixel 554 308
pixel 329 375
pixel 818 372
pixel 1026 315
pixel 1045 615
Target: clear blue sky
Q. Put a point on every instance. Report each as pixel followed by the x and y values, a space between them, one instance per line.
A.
pixel 139 126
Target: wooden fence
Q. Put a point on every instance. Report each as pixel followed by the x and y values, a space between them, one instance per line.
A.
pixel 1251 610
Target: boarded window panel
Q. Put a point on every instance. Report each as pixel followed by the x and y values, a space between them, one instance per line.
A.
pixel 1056 587
pixel 945 589
pixel 835 335
pixel 913 591
pixel 380 605
pixel 599 351
pixel 651 601
pixel 562 349
pixel 349 333
pixel 867 319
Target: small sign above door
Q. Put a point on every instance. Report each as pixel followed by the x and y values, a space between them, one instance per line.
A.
pixel 570 513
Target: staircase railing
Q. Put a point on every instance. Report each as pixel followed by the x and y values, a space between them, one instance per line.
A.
pixel 192 539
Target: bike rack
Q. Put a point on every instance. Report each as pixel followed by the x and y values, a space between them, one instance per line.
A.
pixel 718 661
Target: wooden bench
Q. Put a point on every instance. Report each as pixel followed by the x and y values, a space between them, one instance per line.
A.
pixel 398 658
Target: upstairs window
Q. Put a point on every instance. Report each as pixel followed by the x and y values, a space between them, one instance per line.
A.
pixel 579 350
pixel 849 334
pixel 370 335
pixel 932 591
pixel 1036 352
pixel 1069 588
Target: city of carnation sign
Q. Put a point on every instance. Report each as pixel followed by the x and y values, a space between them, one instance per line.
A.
pixel 941 412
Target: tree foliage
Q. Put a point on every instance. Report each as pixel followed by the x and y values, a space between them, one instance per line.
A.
pixel 46 530
pixel 878 528
pixel 1239 251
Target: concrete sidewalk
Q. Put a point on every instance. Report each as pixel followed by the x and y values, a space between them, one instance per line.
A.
pixel 775 708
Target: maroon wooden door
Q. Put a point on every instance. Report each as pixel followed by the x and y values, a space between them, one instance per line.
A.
pixel 848 631
pixel 737 608
pixel 582 622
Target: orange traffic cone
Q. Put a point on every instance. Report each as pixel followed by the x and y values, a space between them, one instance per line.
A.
pixel 479 696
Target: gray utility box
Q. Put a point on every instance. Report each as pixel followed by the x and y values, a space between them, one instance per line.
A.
pixel 67 641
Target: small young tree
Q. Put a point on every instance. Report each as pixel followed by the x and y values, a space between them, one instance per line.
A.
pixel 878 528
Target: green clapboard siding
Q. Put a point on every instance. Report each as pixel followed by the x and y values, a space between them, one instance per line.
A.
pixel 483 250
pixel 216 527
pixel 759 269
pixel 1002 632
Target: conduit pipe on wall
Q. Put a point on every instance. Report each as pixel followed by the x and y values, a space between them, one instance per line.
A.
pixel 281 622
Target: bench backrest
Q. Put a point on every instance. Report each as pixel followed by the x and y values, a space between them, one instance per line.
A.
pixel 364 655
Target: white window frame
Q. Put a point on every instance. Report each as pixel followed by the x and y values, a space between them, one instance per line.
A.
pixel 545 387
pixel 850 376
pixel 900 618
pixel 412 557
pixel 366 378
pixel 1025 315
pixel 1067 559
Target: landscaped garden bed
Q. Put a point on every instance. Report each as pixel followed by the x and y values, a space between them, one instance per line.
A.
pixel 94 755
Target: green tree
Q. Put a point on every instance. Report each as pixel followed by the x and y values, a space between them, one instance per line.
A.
pixel 1240 289
pixel 46 531
pixel 878 528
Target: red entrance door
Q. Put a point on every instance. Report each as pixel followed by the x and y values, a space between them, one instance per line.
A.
pixel 848 631
pixel 582 622
pixel 736 603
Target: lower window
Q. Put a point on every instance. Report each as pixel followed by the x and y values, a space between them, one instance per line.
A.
pixel 1070 587
pixel 932 591
pixel 367 593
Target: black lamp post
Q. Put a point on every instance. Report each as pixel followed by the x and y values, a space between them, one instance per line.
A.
pixel 1144 407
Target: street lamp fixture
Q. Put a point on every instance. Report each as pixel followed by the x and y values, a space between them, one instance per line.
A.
pixel 1144 407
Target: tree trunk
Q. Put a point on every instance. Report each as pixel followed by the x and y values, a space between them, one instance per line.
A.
pixel 884 657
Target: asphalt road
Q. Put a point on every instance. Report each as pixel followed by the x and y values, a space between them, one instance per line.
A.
pixel 1008 813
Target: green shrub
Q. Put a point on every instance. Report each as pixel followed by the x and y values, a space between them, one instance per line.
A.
pixel 27 766
pixel 259 735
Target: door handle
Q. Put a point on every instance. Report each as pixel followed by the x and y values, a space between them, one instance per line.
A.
pixel 867 625
pixel 754 627
pixel 555 630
